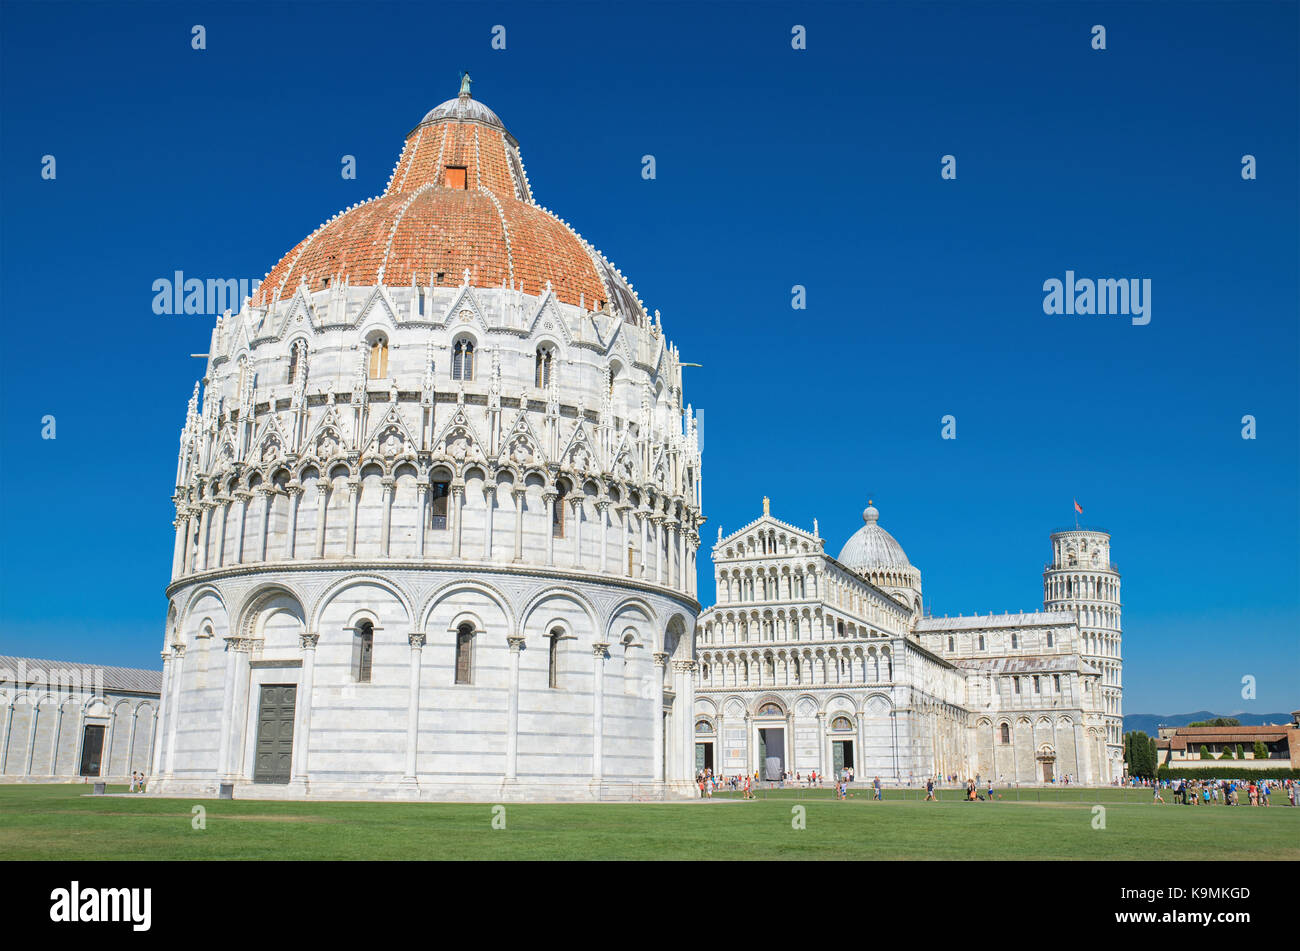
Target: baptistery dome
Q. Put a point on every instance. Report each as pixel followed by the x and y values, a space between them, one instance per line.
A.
pixel 437 509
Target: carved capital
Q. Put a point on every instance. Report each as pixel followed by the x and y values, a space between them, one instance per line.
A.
pixel 516 642
pixel 598 649
pixel 660 658
pixel 417 639
pixel 307 641
pixel 178 650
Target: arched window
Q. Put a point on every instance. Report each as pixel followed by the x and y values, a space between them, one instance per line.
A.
pixel 298 361
pixel 378 366
pixel 611 376
pixel 981 642
pixel 462 360
pixel 1006 733
pixel 703 726
pixel 363 648
pixel 841 723
pixel 465 654
pixel 952 644
pixel 1015 640
pixel 1049 638
pixel 553 658
pixel 557 511
pixel 438 491
pixel 545 366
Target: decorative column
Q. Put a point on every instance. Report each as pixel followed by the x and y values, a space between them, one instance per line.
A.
pixel 683 577
pixel 266 490
pixel 178 549
pixel 422 489
pixel 458 514
pixel 518 494
pixel 602 507
pixel 576 504
pixel 490 498
pixel 751 744
pixel 657 521
pixel 625 563
pixel 516 642
pixel 242 496
pixel 354 500
pixel 322 496
pixel 225 502
pixel 661 661
pixel 821 743
pixel 549 497
pixel 294 489
pixel 130 741
pixel 106 762
pixel 178 667
pixel 190 548
pixel 860 754
pixel 417 640
pixel 234 645
pixel 598 650
pixel 164 702
pixel 31 737
pixel 386 526
pixel 9 724
pixel 684 703
pixel 643 513
pixel 205 520
pixel 302 729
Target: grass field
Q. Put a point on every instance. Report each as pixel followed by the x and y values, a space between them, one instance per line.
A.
pixel 61 822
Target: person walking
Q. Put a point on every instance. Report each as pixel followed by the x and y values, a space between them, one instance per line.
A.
pixel 875 785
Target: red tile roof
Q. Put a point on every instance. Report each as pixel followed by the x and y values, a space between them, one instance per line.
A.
pixel 420 227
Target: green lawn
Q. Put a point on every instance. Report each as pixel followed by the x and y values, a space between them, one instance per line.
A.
pixel 60 822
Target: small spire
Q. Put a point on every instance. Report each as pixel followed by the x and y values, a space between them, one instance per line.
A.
pixel 464 83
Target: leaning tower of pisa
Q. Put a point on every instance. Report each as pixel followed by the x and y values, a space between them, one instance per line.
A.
pixel 1083 579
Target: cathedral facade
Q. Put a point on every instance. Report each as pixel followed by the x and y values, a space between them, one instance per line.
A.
pixel 437 508
pixel 813 663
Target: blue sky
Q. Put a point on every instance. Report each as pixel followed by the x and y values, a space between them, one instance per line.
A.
pixel 775 167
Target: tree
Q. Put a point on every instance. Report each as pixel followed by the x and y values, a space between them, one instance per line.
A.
pixel 1261 751
pixel 1240 754
pixel 1227 754
pixel 1218 721
pixel 1205 753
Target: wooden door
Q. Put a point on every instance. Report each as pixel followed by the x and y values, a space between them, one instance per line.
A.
pixel 92 750
pixel 273 758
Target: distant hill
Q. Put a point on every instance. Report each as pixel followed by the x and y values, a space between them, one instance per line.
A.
pixel 1149 722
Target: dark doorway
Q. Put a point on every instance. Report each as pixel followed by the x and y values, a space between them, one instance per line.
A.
pixel 273 759
pixel 1047 770
pixel 771 753
pixel 703 756
pixel 842 755
pixel 92 750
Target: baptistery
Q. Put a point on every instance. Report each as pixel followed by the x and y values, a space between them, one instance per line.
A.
pixel 437 510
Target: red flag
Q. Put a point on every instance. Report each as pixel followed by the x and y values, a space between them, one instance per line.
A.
pixel 1077 507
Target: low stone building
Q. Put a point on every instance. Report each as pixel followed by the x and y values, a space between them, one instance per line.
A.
pixel 1181 746
pixel 67 721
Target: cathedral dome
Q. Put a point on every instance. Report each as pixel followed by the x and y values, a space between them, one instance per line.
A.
pixel 458 200
pixel 873 547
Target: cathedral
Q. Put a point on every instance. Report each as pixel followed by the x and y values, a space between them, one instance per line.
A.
pixel 809 663
pixel 437 508
pixel 438 511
